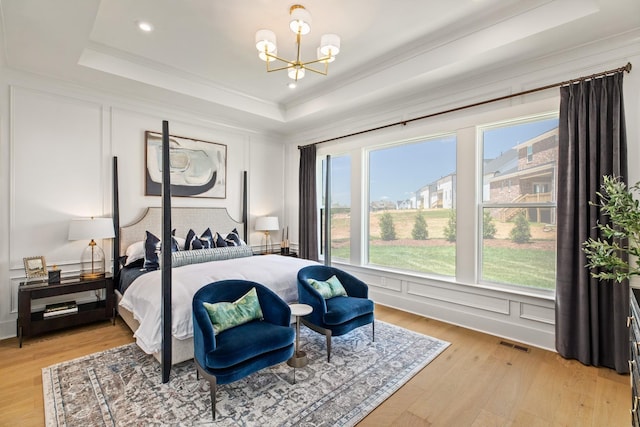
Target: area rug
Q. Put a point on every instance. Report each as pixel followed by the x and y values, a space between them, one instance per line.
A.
pixel 122 386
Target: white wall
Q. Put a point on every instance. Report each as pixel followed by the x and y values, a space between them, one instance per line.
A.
pixel 56 148
pixel 525 316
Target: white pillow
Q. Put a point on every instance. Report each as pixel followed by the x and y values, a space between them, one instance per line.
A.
pixel 134 252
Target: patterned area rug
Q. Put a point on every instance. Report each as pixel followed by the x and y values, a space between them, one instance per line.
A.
pixel 122 386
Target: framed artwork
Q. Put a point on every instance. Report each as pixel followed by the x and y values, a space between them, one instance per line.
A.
pixel 198 168
pixel 35 267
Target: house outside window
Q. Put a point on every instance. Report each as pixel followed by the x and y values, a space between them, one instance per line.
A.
pixel 411 206
pixel 518 231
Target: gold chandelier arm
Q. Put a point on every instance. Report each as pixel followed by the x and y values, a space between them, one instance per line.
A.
pixel 324 73
pixel 276 57
pixel 277 69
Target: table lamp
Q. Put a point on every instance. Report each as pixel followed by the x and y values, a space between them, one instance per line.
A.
pixel 92 263
pixel 266 224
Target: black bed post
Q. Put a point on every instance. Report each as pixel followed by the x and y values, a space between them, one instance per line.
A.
pixel 166 255
pixel 244 204
pixel 327 214
pixel 116 222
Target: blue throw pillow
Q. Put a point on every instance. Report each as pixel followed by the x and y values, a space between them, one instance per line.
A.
pixel 206 239
pixel 220 242
pixel 233 239
pixel 152 247
pixel 189 240
pixel 151 250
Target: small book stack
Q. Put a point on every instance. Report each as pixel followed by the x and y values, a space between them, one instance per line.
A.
pixel 59 309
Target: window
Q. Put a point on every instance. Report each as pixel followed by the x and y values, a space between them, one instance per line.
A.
pixel 458 200
pixel 518 227
pixel 411 218
pixel 340 206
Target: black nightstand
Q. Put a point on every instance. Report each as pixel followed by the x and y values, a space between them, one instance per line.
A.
pixel 34 323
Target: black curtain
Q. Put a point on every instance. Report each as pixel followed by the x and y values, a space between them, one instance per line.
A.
pixel 308 213
pixel 590 314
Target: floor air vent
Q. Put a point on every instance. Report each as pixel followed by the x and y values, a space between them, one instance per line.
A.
pixel 515 346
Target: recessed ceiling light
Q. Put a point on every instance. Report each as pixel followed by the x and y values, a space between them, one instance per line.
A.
pixel 292 85
pixel 145 26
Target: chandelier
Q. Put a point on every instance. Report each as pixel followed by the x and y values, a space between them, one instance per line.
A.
pixel 300 24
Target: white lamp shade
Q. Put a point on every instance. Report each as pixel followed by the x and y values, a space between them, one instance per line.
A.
pixel 266 58
pixel 300 20
pixel 330 44
pixel 322 56
pixel 266 39
pixel 267 223
pixel 91 228
pixel 295 73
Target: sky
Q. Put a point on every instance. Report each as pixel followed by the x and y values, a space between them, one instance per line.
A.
pixel 397 172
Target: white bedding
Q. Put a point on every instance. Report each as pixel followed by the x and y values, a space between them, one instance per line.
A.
pixel 143 297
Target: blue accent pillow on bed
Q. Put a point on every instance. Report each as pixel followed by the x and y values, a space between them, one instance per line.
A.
pixel 204 241
pixel 233 239
pixel 220 242
pixel 152 246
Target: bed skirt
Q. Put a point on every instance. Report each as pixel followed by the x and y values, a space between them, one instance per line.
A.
pixel 181 349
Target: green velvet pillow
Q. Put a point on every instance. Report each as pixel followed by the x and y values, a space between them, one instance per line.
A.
pixel 329 288
pixel 226 315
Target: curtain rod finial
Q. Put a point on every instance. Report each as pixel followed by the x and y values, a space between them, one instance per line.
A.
pixel 627 67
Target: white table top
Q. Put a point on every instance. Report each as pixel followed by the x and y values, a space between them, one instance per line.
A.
pixel 300 309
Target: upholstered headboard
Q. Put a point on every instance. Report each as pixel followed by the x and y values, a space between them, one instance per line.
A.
pixel 182 219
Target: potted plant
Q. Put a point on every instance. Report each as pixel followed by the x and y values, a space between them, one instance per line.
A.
pixel 609 257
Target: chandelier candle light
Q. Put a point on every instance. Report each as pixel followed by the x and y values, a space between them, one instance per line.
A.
pixel 300 24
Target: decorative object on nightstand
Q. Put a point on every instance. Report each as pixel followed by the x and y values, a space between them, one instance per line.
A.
pixel 35 268
pixel 266 224
pixel 54 274
pixel 93 259
pixel 284 243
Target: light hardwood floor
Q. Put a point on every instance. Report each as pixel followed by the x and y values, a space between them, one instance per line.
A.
pixel 475 382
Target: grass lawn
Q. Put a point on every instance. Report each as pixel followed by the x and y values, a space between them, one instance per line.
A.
pixel 527 265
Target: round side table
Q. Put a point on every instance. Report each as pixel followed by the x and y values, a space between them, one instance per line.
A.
pixel 299 358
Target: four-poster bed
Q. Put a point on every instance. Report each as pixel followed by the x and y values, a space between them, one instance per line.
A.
pixel 156 305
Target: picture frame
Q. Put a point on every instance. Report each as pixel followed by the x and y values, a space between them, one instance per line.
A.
pixel 35 267
pixel 198 168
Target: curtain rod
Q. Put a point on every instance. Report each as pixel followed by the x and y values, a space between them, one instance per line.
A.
pixel 626 68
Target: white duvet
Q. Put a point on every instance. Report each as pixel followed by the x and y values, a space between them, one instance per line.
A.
pixel 143 297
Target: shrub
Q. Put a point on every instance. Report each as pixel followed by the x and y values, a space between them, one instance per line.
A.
pixel 520 233
pixel 450 228
pixel 420 231
pixel 488 227
pixel 387 230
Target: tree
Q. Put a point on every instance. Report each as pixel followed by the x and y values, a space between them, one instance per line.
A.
pixel 521 232
pixel 420 231
pixel 488 227
pixel 450 228
pixel 387 230
pixel 609 255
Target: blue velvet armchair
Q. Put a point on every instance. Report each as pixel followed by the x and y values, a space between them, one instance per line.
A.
pixel 242 350
pixel 338 315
